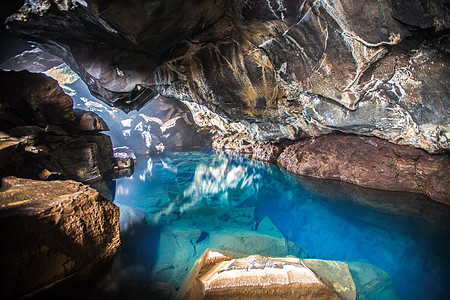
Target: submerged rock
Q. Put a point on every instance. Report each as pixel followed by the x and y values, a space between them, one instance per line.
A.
pixel 370 162
pixel 371 282
pixel 223 275
pixel 220 274
pixel 52 232
pixel 184 239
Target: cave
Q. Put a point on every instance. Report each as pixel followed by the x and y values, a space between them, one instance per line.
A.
pixel 225 149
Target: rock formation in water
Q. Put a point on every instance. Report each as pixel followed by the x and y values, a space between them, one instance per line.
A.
pixel 52 232
pixel 43 137
pixel 367 161
pixel 370 162
pixel 225 275
pixel 283 69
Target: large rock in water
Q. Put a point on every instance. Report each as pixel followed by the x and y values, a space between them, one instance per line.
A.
pixel 52 232
pixel 370 162
pixel 220 274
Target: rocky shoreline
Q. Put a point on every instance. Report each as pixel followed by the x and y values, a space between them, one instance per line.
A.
pixel 365 161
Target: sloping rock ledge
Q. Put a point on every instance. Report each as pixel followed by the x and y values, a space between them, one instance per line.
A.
pixel 52 232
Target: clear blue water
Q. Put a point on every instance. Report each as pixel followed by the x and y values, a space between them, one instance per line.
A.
pixel 202 196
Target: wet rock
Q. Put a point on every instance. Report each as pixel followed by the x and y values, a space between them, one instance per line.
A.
pixel 183 240
pixel 30 133
pixel 56 231
pixel 266 152
pixel 266 226
pixel 335 274
pixel 438 184
pixel 85 158
pixel 223 275
pixel 366 161
pixel 248 242
pixel 371 282
pixel 369 162
pixel 263 151
pixel 341 79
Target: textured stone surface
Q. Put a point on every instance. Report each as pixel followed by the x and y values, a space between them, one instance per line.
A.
pixel 88 121
pixel 33 99
pixel 51 232
pixel 371 282
pixel 271 69
pixel 370 162
pixel 224 275
pixel 335 274
pixel 238 142
pixel 54 141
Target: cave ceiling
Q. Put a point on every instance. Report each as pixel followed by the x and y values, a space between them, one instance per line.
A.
pixel 279 68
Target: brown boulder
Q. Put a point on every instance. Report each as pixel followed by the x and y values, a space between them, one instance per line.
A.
pixel 55 231
pixel 370 162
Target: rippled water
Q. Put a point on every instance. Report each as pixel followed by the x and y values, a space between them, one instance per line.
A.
pixel 177 205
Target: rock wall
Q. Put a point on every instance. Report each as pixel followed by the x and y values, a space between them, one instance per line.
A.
pixel 284 69
pixel 52 232
pixel 43 137
pixel 366 161
pixel 162 125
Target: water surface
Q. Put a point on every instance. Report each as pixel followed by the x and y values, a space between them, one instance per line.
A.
pixel 176 205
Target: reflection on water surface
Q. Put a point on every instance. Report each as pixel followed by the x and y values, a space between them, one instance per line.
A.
pixel 175 206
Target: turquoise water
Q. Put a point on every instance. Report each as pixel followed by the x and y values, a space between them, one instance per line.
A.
pixel 176 205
